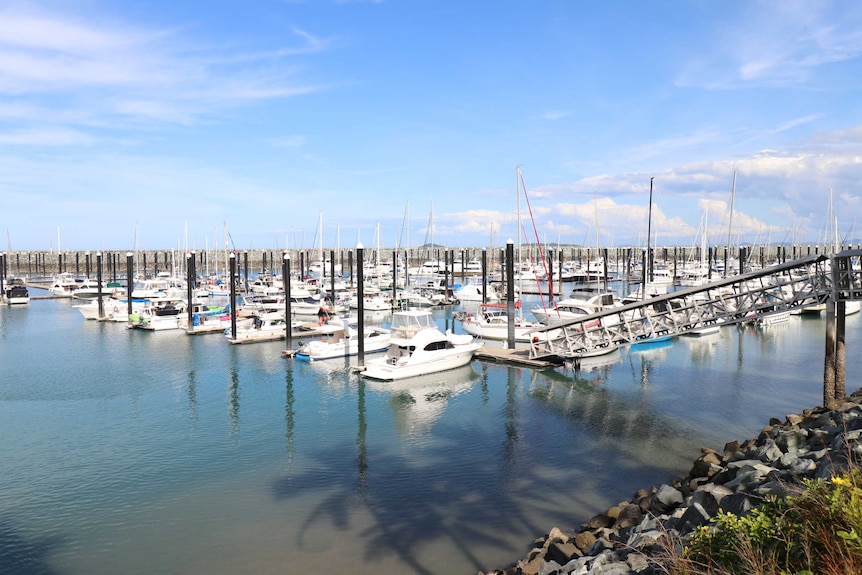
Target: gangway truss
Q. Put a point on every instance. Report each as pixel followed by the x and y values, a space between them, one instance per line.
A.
pixel 745 297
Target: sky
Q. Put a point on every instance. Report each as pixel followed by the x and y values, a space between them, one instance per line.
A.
pixel 272 124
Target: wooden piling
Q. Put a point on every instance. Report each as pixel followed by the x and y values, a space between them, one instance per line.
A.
pixel 285 275
pixel 829 359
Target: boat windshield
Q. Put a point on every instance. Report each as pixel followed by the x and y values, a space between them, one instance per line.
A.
pixel 411 322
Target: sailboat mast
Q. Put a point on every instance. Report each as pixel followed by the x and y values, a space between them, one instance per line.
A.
pixel 730 219
pixel 647 265
pixel 518 194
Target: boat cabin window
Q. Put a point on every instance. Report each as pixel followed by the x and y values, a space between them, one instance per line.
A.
pixel 435 345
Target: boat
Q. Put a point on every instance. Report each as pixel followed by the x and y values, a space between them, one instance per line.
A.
pixel 704 329
pixel 581 302
pixel 267 326
pixel 65 284
pixel 89 289
pixel 418 347
pixel 491 321
pixel 303 302
pixel 272 326
pixel 774 318
pixel 16 292
pixel 345 342
pixel 162 287
pixel 115 307
pixel 373 302
pixel 159 315
pixel 473 293
pixel 420 297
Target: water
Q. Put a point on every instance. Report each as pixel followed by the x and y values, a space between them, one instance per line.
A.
pixel 134 452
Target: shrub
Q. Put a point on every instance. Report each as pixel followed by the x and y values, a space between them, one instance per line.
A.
pixel 817 531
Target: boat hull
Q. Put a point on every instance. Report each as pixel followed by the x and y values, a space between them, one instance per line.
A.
pixel 383 369
pixel 325 350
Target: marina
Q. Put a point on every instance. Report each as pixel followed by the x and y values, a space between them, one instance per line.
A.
pixel 238 459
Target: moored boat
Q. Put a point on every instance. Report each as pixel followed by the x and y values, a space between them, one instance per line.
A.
pixel 16 293
pixel 345 342
pixel 159 315
pixel 418 347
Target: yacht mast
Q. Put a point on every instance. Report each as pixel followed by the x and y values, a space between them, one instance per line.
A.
pixel 647 264
pixel 730 221
pixel 518 216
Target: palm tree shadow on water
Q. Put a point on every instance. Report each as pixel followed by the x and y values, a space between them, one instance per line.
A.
pixel 462 501
pixel 22 556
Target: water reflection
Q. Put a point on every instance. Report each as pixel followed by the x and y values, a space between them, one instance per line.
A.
pixel 192 394
pixel 510 416
pixel 20 555
pixel 289 413
pixel 629 421
pixel 417 402
pixel 233 401
pixel 702 348
pixel 362 447
pixel 648 356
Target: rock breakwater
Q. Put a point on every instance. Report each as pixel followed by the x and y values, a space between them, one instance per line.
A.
pixel 634 536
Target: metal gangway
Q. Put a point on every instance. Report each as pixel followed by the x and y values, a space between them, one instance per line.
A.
pixel 745 297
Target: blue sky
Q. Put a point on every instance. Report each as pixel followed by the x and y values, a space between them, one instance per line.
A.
pixel 166 123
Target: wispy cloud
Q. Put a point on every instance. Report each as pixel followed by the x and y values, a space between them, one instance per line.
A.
pixel 775 44
pixel 46 137
pixel 120 72
pixel 554 115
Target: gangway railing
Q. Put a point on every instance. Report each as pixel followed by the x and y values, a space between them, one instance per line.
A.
pixel 777 289
pixel 847 275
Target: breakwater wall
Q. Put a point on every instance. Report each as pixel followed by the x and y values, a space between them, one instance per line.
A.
pixel 632 536
pixel 622 260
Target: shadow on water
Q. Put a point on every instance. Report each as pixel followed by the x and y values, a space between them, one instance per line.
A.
pixel 20 556
pixel 485 494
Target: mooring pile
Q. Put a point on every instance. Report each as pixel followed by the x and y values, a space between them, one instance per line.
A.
pixel 632 537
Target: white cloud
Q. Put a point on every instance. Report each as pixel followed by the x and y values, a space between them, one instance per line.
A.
pixel 46 137
pixel 775 44
pixel 120 72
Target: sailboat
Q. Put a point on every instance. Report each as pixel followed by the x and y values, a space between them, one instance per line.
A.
pixel 491 321
pixel 653 282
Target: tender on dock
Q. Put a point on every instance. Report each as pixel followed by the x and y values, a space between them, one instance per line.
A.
pixel 517 357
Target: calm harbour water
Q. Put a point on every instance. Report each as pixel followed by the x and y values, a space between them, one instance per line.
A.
pixel 133 452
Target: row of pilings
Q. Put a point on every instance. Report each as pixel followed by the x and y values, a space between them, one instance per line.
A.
pixel 625 261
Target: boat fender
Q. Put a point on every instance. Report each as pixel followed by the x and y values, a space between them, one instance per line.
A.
pixel 535 343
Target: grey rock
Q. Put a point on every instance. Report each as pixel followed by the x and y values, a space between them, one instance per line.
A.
pixel 667 498
pixel 606 557
pixel 611 569
pixel 694 517
pixel 585 540
pixel 738 503
pixel 637 562
pixel 645 539
pixel 550 568
pixel 769 451
pixel 706 500
pixel 629 516
pixel 599 546
pixel 562 553
pixel 718 492
pixel 776 488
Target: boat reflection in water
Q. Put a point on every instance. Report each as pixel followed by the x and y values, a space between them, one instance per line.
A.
pixel 419 401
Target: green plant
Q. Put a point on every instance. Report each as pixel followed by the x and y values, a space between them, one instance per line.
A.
pixel 819 530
